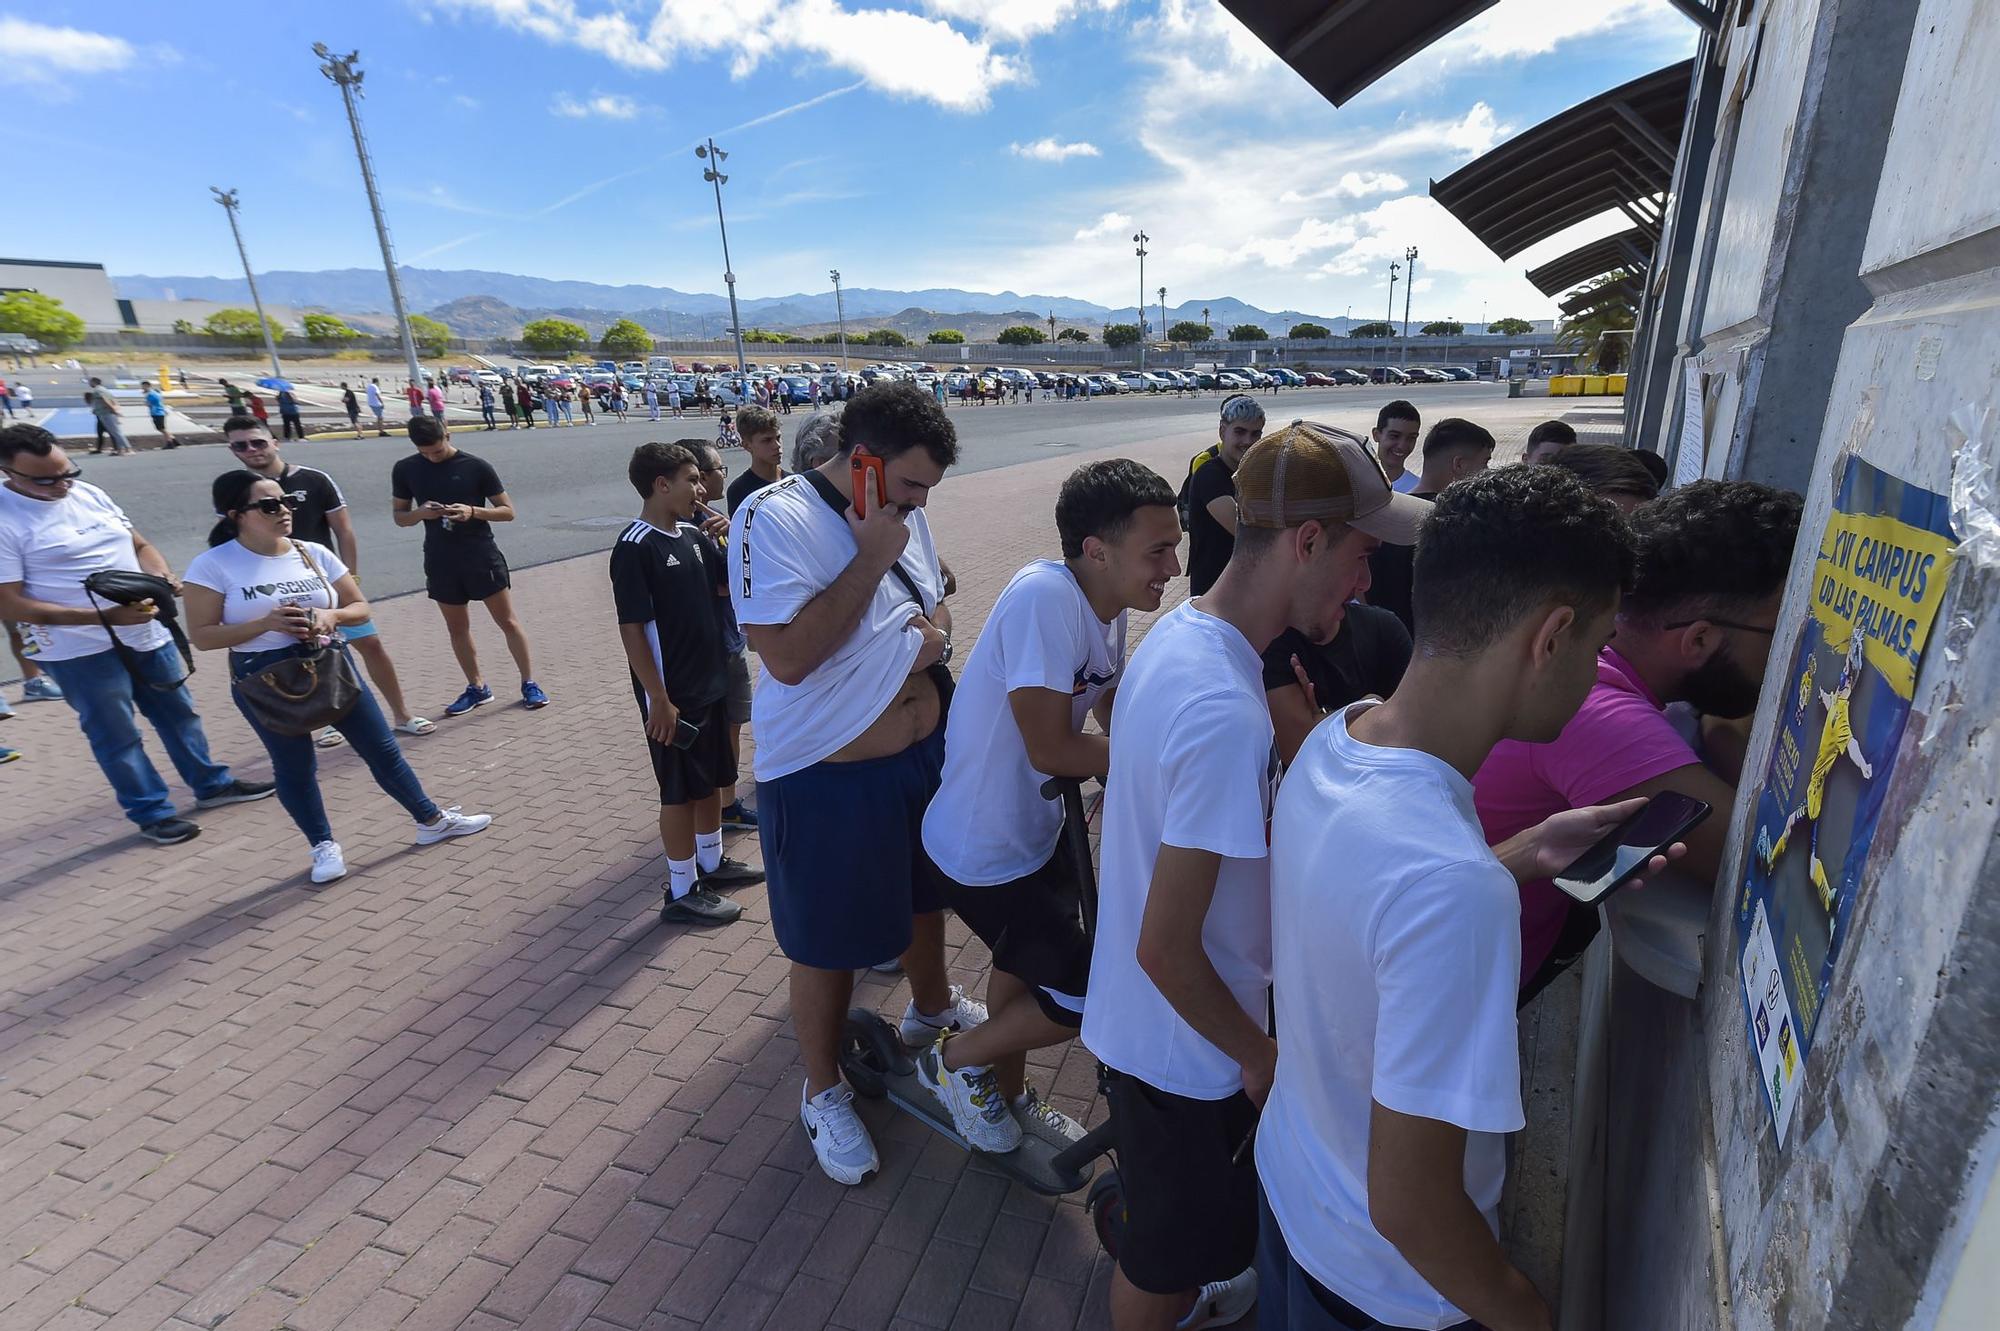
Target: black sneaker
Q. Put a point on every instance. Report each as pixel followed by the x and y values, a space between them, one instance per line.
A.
pixel 736 818
pixel 237 792
pixel 170 831
pixel 731 873
pixel 700 906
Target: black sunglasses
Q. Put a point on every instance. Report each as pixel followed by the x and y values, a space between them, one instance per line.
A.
pixel 271 507
pixel 248 445
pixel 45 481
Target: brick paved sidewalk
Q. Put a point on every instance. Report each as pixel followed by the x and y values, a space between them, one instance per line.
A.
pixel 477 1085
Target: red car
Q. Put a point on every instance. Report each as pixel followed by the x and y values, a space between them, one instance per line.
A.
pixel 1315 379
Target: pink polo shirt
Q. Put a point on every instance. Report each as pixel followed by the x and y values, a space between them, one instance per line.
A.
pixel 1617 739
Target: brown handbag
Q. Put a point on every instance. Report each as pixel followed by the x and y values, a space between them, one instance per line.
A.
pixel 305 693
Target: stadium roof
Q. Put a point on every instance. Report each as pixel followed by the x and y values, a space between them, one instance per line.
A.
pixel 1342 46
pixel 1630 250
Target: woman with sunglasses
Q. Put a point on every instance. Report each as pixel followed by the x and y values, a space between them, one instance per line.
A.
pixel 264 597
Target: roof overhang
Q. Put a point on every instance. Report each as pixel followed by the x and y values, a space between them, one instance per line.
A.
pixel 1626 293
pixel 1630 251
pixel 1342 46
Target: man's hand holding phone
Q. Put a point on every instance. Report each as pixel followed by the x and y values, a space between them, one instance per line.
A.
pixel 662 717
pixel 881 536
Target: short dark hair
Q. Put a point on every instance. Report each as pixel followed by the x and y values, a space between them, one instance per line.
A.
pixel 1502 544
pixel 1398 410
pixel 1654 464
pixel 1099 498
pixel 893 418
pixel 243 420
pixel 30 439
pixel 1456 434
pixel 755 420
pixel 1559 432
pixel 652 461
pixel 1608 469
pixel 701 451
pixel 425 430
pixel 1711 546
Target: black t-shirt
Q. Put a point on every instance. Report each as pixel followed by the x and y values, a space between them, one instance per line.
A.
pixel 322 497
pixel 1389 577
pixel 459 479
pixel 668 581
pixel 742 488
pixel 1209 543
pixel 1367 657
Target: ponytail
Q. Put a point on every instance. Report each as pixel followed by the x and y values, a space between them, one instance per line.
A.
pixel 223 532
pixel 227 496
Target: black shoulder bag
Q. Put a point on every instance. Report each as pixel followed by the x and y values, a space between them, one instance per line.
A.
pixel 124 586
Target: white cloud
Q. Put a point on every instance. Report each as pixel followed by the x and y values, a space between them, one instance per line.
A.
pixel 43 53
pixel 1016 20
pixel 1107 225
pixel 1049 150
pixel 464 102
pixel 604 105
pixel 1521 29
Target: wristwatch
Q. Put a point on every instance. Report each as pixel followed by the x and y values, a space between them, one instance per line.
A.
pixel 944 656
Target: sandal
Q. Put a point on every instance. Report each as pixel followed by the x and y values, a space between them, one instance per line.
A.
pixel 416 725
pixel 330 738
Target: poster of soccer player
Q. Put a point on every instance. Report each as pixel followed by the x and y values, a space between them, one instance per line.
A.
pixel 1883 564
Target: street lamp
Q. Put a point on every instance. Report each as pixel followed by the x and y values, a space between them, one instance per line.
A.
pixel 840 312
pixel 340 69
pixel 229 205
pixel 1409 285
pixel 1139 239
pixel 1390 322
pixel 1163 311
pixel 708 152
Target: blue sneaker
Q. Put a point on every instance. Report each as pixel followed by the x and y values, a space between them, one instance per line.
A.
pixel 736 818
pixel 532 695
pixel 42 688
pixel 475 695
pixel 8 755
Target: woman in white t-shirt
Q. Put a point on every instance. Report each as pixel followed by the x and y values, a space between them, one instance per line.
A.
pixel 265 597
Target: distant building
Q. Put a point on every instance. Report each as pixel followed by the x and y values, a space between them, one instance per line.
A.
pixel 84 289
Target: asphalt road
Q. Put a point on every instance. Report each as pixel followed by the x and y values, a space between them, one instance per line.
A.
pixel 570 490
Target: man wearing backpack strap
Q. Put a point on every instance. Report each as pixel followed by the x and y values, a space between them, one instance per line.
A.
pixel 1208 495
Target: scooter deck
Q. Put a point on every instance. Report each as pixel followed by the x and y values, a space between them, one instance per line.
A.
pixel 1031 1164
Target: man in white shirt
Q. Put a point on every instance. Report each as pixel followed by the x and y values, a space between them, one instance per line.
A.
pixel 838 594
pixel 1181 962
pixel 1049 656
pixel 55 532
pixel 375 406
pixel 1397 427
pixel 1396 954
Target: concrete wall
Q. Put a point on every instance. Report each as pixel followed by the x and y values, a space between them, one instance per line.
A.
pixel 84 289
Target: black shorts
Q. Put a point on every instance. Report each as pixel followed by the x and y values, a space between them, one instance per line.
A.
pixel 1192 1210
pixel 738 698
pixel 459 576
pixel 703 767
pixel 160 424
pixel 1034 928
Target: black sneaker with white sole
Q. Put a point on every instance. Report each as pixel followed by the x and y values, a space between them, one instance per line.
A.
pixel 700 906
pixel 237 792
pixel 731 873
pixel 170 831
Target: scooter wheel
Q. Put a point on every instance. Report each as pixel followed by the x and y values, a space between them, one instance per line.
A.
pixel 1107 1210
pixel 865 1054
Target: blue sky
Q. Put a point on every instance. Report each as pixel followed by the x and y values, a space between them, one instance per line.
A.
pixel 983 144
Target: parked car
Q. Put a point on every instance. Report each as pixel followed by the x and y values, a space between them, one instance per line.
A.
pixel 1251 375
pixel 1460 373
pixel 796 389
pixel 458 374
pixel 493 377
pixel 1289 378
pixel 1350 376
pixel 1424 374
pixel 1319 379
pixel 1387 374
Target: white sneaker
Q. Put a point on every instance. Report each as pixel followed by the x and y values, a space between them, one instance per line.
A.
pixel 452 823
pixel 971 1097
pixel 1039 1118
pixel 839 1138
pixel 961 1014
pixel 1221 1302
pixel 328 866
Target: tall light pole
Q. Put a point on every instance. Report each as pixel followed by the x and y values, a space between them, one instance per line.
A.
pixel 1390 322
pixel 1409 285
pixel 340 69
pixel 229 205
pixel 1052 325
pixel 1163 311
pixel 840 313
pixel 1139 239
pixel 713 155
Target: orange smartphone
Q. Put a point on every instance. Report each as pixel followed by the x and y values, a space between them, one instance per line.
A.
pixel 866 465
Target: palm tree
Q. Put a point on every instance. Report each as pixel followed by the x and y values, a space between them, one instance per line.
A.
pixel 1601 334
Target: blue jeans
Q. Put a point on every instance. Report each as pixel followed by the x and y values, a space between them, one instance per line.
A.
pixel 103 694
pixel 295 759
pixel 1289 1299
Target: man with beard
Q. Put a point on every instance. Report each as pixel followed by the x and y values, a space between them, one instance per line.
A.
pixel 1696 628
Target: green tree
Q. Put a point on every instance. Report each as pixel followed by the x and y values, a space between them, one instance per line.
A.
pixel 1376 329
pixel 1601 334
pixel 327 328
pixel 239 325
pixel 944 336
pixel 1021 335
pixel 551 337
pixel 185 326
pixel 433 337
pixel 43 318
pixel 1248 333
pixel 1072 335
pixel 1310 330
pixel 1120 335
pixel 885 337
pixel 625 338
pixel 1187 330
pixel 762 335
pixel 1510 327
pixel 1443 328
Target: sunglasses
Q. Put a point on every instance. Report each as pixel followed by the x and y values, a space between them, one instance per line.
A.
pixel 248 445
pixel 271 507
pixel 46 482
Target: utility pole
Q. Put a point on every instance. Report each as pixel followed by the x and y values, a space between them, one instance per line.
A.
pixel 1163 311
pixel 1409 285
pixel 341 70
pixel 708 152
pixel 229 205
pixel 1390 321
pixel 840 312
pixel 1139 238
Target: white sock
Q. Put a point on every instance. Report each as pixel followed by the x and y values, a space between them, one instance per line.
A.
pixel 680 878
pixel 708 850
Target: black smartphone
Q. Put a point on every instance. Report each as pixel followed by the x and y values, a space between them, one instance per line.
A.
pixel 1628 848
pixel 685 733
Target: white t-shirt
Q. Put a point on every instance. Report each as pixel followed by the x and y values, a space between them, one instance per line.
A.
pixel 251 585
pixel 51 546
pixel 786 546
pixel 1397 956
pixel 988 823
pixel 1192 765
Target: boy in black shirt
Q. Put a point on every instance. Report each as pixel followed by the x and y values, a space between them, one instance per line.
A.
pixel 1209 510
pixel 1304 680
pixel 461 497
pixel 665 578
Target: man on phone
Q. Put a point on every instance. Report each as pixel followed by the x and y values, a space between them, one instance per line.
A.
pixel 838 591
pixel 666 579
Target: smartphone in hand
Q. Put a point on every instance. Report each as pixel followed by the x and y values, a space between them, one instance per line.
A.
pixel 1623 853
pixel 865 466
pixel 685 734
